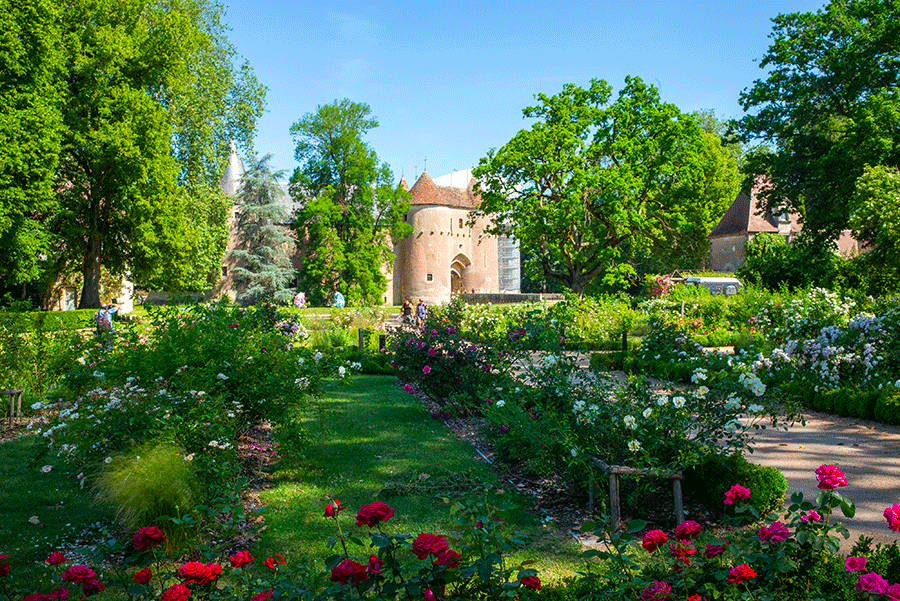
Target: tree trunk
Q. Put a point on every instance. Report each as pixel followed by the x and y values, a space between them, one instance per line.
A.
pixel 90 292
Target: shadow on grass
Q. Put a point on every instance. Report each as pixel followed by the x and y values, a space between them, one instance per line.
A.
pixel 44 507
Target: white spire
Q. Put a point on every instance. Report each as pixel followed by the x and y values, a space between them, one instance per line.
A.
pixel 230 182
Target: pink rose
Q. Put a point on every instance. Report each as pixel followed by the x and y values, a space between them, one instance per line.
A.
pixel 426 370
pixel 429 544
pixel 872 583
pixel 59 594
pixel 736 493
pixel 532 582
pixel 653 540
pixel 713 551
pixel 373 513
pixel 892 515
pixel 812 516
pixel 55 558
pixel 775 533
pixel 263 596
pixel 348 571
pixel 830 477
pixel 143 576
pixel 428 595
pixel 688 530
pixel 855 564
pixel 893 592
pixel 408 388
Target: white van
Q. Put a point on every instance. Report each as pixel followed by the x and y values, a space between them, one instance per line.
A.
pixel 722 285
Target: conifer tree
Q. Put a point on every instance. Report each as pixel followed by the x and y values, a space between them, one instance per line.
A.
pixel 265 269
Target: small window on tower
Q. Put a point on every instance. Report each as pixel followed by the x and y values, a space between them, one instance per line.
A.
pixel 429 277
pixel 460 222
pixel 224 271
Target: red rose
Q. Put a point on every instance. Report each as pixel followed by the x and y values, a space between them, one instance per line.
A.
pixel 375 565
pixel 143 576
pixel 148 537
pixel 177 592
pixel 740 573
pixel 240 559
pixel 653 540
pixel 713 550
pixel 658 591
pixel 92 587
pixel 263 596
pixel 79 574
pixel 348 571
pixel 531 582
pixel 55 558
pixel 688 530
pixel 855 564
pixel 427 543
pixel 428 595
pixel 36 597
pixel 448 559
pixel 195 571
pixel 373 513
pixel 775 533
pixel 271 561
pixel 58 594
pixel 830 477
pixel 4 565
pixel 215 570
pixel 333 508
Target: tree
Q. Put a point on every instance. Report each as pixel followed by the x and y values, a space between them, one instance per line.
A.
pixel 594 182
pixel 265 245
pixel 352 210
pixel 875 220
pixel 146 99
pixel 829 106
pixel 30 133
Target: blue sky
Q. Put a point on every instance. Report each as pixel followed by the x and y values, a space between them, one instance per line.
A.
pixel 448 80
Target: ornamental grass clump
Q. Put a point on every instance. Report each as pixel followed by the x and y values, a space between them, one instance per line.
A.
pixel 155 480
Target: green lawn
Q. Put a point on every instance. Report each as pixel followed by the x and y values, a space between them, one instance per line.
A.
pixel 375 442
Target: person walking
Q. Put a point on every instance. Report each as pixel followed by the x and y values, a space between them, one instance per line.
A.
pixel 407 312
pixel 421 313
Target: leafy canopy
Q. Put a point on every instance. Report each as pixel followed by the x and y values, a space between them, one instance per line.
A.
pixel 595 181
pixel 352 210
pixel 829 106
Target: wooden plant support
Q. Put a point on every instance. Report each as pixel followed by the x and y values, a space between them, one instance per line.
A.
pixel 615 471
pixel 15 402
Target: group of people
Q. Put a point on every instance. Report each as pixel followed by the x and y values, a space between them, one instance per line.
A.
pixel 421 313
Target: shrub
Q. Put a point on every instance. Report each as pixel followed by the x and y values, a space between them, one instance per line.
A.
pixel 887 407
pixel 709 480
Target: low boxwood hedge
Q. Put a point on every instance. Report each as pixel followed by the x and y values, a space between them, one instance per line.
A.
pixel 708 482
pixel 49 321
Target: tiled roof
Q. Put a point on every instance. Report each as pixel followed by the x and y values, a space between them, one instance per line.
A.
pixel 747 214
pixel 426 192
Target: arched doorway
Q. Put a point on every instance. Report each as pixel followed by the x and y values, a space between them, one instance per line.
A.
pixel 459 282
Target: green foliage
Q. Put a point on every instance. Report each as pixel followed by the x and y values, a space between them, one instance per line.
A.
pixel 153 480
pixel 264 247
pixel 558 186
pixel 352 211
pixel 773 264
pixel 38 348
pixel 709 480
pixel 875 219
pixel 823 141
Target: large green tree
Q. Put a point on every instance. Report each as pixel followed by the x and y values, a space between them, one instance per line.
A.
pixel 596 181
pixel 30 132
pixel 828 107
pixel 352 210
pixel 145 98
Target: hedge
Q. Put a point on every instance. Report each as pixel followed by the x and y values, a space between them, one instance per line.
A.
pixel 48 321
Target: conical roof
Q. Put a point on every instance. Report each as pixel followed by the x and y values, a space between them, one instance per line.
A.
pixel 426 192
pixel 230 182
